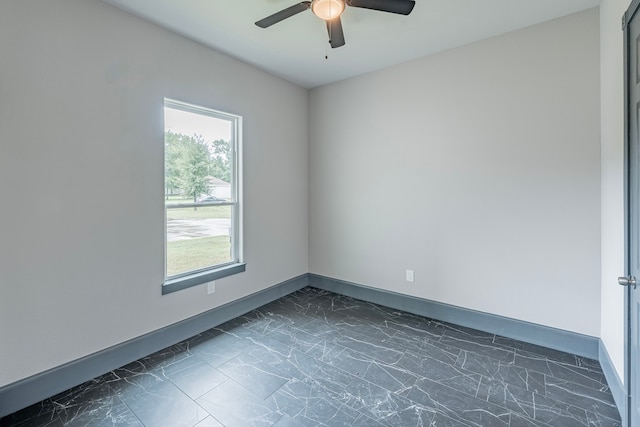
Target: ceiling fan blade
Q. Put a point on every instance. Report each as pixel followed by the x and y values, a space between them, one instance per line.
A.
pixel 402 7
pixel 283 14
pixel 336 36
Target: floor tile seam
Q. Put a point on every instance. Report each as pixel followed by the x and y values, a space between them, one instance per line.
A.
pixel 431 412
pixel 132 412
pixel 110 383
pixel 157 373
pixel 574 405
pixel 298 324
pixel 401 335
pixel 487 340
pixel 277 332
pixel 528 354
pixel 291 351
pixel 560 378
pixel 355 339
pixel 178 389
pixel 580 385
pixel 604 416
pixel 459 419
pixel 276 407
pixel 533 393
pixel 345 327
pixel 519 344
pixel 161 370
pixel 418 317
pixel 573 377
pixel 350 375
pixel 459 422
pixel 591 387
pixel 153 364
pixel 589 381
pixel 453 365
pixel 256 334
pixel 194 399
pixel 339 367
pixel 203 359
pixel 415 335
pixel 364 417
pixel 338 346
pixel 366 339
pixel 481 355
pixel 260 329
pixel 522 408
pixel 482 346
pixel 402 385
pixel 461 390
pixel 610 403
pixel 548 352
pixel 467 330
pixel 537 423
pixel 279 374
pixel 205 411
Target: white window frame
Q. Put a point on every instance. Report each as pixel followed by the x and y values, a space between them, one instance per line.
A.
pixel 236 265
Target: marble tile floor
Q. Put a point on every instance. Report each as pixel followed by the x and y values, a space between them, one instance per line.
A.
pixel 314 358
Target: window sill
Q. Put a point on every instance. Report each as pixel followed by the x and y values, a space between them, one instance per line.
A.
pixel 184 282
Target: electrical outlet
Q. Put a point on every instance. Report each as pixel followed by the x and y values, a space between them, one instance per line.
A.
pixel 410 276
pixel 211 287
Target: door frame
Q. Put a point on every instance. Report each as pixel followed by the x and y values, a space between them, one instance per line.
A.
pixel 629 373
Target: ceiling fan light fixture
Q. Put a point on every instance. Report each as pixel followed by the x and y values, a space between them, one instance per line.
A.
pixel 327 9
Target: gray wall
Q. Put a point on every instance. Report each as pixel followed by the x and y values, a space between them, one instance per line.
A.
pixel 612 124
pixel 479 168
pixel 81 167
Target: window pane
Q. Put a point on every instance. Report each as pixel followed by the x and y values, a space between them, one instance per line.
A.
pixel 198 238
pixel 201 167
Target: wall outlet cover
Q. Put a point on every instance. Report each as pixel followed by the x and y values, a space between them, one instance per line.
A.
pixel 410 276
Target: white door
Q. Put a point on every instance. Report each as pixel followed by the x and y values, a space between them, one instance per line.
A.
pixel 632 78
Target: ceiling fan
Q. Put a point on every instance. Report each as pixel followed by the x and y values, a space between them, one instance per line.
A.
pixel 330 11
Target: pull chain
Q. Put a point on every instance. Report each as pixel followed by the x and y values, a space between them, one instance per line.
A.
pixel 326 50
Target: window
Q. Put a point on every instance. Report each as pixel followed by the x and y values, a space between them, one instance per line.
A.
pixel 203 239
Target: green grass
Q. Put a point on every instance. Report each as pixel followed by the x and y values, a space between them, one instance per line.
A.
pixel 202 212
pixel 194 254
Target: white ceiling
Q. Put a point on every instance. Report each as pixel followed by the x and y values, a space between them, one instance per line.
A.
pixel 295 48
